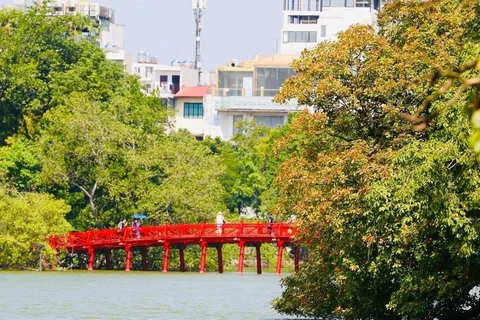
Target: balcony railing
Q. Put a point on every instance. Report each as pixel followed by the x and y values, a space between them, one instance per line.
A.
pixel 243 92
pixel 169 88
pixel 246 103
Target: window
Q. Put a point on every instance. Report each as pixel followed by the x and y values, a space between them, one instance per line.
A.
pixel 236 118
pixel 270 121
pixel 193 110
pixel 271 79
pixel 148 88
pixel 344 3
pixel 163 79
pixel 323 31
pixel 337 3
pixel 233 81
pixel 300 36
pixel 363 3
pixel 304 19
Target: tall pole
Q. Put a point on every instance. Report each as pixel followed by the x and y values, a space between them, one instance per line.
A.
pixel 198 7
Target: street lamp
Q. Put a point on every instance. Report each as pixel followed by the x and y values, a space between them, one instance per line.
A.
pixel 198 7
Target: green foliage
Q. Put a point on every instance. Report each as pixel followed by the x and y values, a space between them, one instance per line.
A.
pixel 390 214
pixel 251 166
pixel 35 50
pixel 183 181
pixel 27 220
pixel 18 166
pixel 75 126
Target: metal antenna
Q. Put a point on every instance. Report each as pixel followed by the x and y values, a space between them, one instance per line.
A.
pixel 198 7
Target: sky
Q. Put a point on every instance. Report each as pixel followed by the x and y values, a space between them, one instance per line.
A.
pixel 232 29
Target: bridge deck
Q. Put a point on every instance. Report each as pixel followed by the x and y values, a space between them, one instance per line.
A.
pixel 179 236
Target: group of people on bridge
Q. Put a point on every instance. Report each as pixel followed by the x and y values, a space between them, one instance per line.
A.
pixel 219 221
pixel 135 226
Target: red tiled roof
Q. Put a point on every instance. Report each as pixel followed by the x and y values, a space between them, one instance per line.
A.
pixel 192 92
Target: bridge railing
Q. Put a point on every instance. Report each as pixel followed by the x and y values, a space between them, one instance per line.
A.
pixel 168 232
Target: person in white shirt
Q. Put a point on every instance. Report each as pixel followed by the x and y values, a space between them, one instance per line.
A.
pixel 220 220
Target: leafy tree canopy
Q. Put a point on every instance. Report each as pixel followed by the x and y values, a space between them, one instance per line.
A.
pixel 390 214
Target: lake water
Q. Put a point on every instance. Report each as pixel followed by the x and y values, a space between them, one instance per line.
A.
pixel 138 295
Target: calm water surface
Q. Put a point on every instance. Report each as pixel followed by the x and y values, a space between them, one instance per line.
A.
pixel 138 295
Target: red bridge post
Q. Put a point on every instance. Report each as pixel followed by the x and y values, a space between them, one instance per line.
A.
pixel 241 256
pixel 108 261
pixel 203 257
pixel 91 258
pixel 279 257
pixel 182 258
pixel 220 258
pixel 166 254
pixel 128 260
pixel 259 258
pixel 144 259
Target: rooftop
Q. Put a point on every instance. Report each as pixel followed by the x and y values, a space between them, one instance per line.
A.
pixel 192 92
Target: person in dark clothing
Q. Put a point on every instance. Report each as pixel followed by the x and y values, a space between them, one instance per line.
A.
pixel 270 224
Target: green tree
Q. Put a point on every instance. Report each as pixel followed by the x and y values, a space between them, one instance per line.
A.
pixel 27 220
pixel 34 49
pixel 250 166
pixel 19 166
pixel 183 181
pixel 390 214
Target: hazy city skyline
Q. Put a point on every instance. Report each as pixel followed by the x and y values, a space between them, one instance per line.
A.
pixel 167 29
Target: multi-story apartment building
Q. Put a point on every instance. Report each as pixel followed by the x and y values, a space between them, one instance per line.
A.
pixel 167 80
pixel 245 90
pixel 308 22
pixel 111 35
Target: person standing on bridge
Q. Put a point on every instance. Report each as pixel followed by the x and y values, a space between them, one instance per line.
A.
pixel 270 224
pixel 220 220
pixel 122 224
pixel 136 228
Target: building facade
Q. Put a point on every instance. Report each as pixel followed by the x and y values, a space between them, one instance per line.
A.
pixel 245 91
pixel 112 35
pixel 308 22
pixel 189 110
pixel 166 80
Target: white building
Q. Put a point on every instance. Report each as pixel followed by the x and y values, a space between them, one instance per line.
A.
pixel 167 80
pixel 308 22
pixel 189 110
pixel 244 92
pixel 111 38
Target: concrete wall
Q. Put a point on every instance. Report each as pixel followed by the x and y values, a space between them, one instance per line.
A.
pixel 112 33
pixel 195 126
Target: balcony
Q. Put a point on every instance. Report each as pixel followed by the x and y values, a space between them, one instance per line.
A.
pixel 243 92
pixel 249 104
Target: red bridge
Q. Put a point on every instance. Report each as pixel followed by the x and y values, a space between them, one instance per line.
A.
pixel 178 237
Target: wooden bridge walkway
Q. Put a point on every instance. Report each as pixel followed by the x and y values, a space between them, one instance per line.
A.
pixel 178 237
